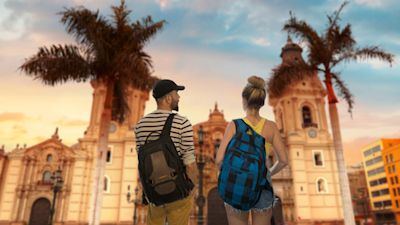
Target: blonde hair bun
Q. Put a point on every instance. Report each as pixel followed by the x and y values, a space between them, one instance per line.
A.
pixel 256 82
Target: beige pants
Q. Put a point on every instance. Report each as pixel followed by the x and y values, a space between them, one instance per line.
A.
pixel 176 213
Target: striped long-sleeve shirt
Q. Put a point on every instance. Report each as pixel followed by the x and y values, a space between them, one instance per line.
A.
pixel 181 133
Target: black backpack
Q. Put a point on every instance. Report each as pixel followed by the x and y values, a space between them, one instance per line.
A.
pixel 162 172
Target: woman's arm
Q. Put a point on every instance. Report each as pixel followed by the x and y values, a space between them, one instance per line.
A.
pixel 280 151
pixel 229 132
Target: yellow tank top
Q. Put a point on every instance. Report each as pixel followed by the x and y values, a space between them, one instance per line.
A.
pixel 258 128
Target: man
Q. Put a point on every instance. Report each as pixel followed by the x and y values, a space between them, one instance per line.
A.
pixel 166 95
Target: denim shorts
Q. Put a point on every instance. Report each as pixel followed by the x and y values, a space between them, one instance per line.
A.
pixel 264 203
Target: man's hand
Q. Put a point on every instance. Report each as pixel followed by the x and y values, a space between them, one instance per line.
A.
pixel 192 172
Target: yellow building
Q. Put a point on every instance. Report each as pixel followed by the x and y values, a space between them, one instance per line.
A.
pixel 378 180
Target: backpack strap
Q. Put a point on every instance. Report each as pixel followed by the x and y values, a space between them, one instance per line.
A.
pixel 167 126
pixel 242 126
pixel 166 129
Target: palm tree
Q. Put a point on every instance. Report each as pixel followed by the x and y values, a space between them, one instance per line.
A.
pixel 334 46
pixel 111 52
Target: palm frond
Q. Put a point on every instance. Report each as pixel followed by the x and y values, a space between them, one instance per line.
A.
pixel 58 64
pixel 133 66
pixel 344 40
pixel 302 30
pixel 145 30
pixel 316 46
pixel 120 107
pixel 90 29
pixel 344 91
pixel 120 15
pixel 286 74
pixel 335 17
pixel 373 52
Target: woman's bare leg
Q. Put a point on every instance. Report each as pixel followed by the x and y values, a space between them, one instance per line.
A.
pixel 261 217
pixel 235 217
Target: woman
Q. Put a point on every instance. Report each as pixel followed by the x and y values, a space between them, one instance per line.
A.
pixel 253 97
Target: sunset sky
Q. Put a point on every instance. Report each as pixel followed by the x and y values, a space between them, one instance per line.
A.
pixel 211 47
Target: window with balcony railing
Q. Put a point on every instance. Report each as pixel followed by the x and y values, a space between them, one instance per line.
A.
pixel 307 118
pixel 46 177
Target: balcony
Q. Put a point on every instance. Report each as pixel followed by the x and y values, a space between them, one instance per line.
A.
pixel 44 182
pixel 305 125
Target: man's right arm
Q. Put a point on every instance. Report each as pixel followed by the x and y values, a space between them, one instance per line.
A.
pixel 187 148
pixel 192 172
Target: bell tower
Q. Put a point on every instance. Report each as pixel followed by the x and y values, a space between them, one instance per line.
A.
pixel 313 193
pixel 136 101
pixel 120 175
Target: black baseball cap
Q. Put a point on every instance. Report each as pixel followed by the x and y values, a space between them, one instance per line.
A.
pixel 163 87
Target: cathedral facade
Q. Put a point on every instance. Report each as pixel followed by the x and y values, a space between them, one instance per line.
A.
pixel 308 187
pixel 26 193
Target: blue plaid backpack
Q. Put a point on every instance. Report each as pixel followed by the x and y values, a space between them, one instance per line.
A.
pixel 243 173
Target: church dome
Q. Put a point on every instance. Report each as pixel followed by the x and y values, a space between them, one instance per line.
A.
pixel 291 52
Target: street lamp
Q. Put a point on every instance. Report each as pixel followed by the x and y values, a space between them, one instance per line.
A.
pixel 57 183
pixel 134 201
pixel 200 201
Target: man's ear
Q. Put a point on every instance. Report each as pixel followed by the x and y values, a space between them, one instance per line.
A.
pixel 168 98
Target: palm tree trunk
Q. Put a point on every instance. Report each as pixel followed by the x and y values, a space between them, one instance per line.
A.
pixel 347 205
pixel 98 181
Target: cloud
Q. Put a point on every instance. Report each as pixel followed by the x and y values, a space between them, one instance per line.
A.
pixel 64 122
pixel 375 3
pixel 375 63
pixel 12 116
pixel 164 3
pixel 261 42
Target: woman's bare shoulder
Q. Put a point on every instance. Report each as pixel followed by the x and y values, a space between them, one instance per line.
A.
pixel 269 130
pixel 269 124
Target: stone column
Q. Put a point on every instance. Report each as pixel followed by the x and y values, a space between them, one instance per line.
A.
pixel 295 109
pixel 24 189
pixel 322 113
pixel 33 174
pixel 66 191
pixel 19 187
pixel 61 194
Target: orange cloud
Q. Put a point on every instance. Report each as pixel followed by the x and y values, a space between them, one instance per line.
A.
pixel 11 116
pixel 70 123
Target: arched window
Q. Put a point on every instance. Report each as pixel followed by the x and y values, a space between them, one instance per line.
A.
pixel 49 158
pixel 322 186
pixel 306 115
pixel 106 185
pixel 46 178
